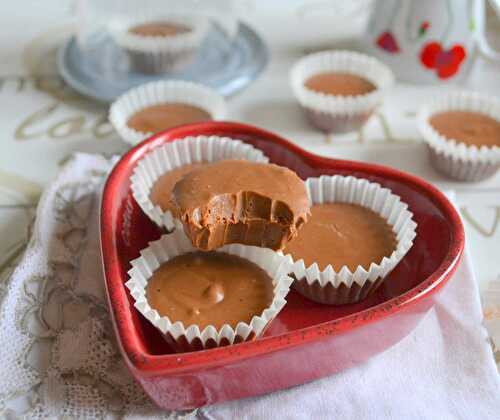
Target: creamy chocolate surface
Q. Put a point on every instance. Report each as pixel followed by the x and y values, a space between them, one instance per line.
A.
pixel 161 193
pixel 209 288
pixel 343 234
pixel 160 28
pixel 471 128
pixel 238 201
pixel 160 117
pixel 339 84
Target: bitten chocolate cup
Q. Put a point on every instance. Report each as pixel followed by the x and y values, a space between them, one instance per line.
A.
pixel 176 154
pixel 235 201
pixel 344 286
pixel 189 337
pixel 339 113
pixel 159 53
pixel 452 158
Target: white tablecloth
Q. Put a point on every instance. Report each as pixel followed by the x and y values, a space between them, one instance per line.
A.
pixel 62 359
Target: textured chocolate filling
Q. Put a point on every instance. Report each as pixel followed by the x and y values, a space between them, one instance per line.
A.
pixel 241 202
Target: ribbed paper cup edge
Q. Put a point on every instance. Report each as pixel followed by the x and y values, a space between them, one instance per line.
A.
pixel 170 246
pixel 160 92
pixel 454 158
pixel 342 61
pixel 178 153
pixel 341 189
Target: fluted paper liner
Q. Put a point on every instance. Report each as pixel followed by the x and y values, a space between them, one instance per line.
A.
pixel 158 54
pixel 343 286
pixel 190 337
pixel 339 113
pixel 161 92
pixel 453 158
pixel 179 153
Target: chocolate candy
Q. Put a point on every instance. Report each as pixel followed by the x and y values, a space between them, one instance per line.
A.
pixel 470 128
pixel 235 201
pixel 210 288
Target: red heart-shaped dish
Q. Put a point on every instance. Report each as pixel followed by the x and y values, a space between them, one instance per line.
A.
pixel 307 340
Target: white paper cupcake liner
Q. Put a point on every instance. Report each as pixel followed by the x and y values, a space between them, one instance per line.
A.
pixel 189 337
pixel 158 54
pixel 179 153
pixel 343 286
pixel 160 92
pixel 339 113
pixel 452 158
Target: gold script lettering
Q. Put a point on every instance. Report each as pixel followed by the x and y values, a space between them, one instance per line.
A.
pixel 37 125
pixel 38 116
pixel 67 127
pixel 102 128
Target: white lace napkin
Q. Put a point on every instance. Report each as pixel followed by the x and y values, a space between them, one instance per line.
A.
pixel 58 356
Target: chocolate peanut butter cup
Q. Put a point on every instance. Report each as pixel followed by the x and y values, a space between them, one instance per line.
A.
pixel 339 84
pixel 356 234
pixel 160 117
pixel 462 133
pixel 160 44
pixel 155 175
pixel 157 106
pixel 241 202
pixel 209 288
pixel 161 192
pixel 339 90
pixel 342 234
pixel 201 300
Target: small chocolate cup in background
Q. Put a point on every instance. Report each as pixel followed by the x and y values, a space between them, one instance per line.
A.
pixel 335 113
pixel 189 337
pixel 162 92
pixel 454 159
pixel 160 54
pixel 341 287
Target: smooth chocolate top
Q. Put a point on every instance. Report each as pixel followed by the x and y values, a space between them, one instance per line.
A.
pixel 343 234
pixel 339 84
pixel 209 288
pixel 471 128
pixel 160 117
pixel 161 193
pixel 160 29
pixel 238 201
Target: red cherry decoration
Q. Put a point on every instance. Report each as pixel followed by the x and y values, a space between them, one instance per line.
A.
pixel 387 42
pixel 446 63
pixel 429 53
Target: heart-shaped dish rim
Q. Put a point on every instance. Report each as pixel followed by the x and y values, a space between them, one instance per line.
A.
pixel 121 309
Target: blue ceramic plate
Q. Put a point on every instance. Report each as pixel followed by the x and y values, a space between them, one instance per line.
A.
pixel 103 72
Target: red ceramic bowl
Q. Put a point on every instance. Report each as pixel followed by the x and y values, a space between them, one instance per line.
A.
pixel 307 340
